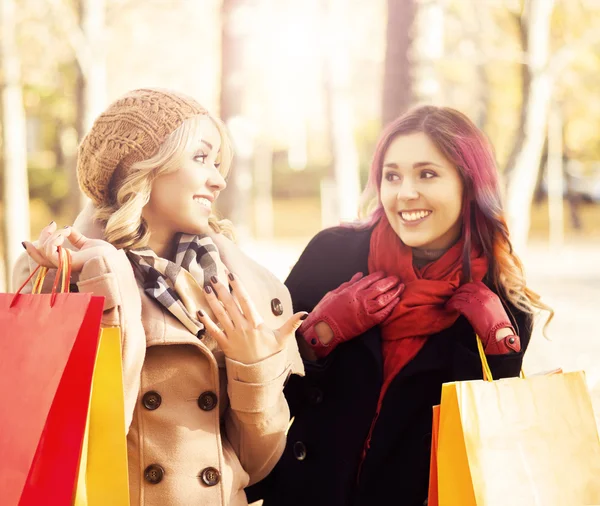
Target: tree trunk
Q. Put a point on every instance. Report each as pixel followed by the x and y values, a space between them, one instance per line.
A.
pixel 14 139
pixel 522 181
pixel 94 86
pixel 234 202
pixel 484 25
pixel 519 136
pixel 397 79
pixel 341 121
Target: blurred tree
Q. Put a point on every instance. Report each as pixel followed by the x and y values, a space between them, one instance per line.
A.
pixel 397 78
pixel 14 148
pixel 83 24
pixel 519 18
pixel 340 192
pixel 547 80
pixel 521 187
pixel 233 204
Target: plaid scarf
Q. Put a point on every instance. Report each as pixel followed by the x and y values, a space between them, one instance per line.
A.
pixel 179 286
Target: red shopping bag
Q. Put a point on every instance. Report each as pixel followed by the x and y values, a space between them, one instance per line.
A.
pixel 48 346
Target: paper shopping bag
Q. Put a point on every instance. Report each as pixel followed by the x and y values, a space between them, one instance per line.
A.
pixel 48 348
pixel 523 442
pixel 433 478
pixel 103 478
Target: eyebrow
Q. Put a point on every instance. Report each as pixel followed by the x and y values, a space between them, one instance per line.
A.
pixel 416 165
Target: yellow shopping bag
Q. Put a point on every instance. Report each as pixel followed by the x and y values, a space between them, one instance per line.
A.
pixel 518 441
pixel 103 478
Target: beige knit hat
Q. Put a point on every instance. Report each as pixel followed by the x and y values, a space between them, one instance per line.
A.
pixel 132 129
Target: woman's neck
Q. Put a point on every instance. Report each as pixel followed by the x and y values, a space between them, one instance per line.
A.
pixel 163 245
pixel 423 256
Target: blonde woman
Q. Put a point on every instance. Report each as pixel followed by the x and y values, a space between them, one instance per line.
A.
pixel 203 368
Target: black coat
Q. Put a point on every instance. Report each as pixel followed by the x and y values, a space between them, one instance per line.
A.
pixel 333 406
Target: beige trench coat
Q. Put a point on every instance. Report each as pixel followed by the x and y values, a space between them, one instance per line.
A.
pixel 201 427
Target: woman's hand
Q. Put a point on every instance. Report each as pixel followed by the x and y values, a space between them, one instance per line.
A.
pixel 485 312
pixel 242 335
pixel 46 252
pixel 350 310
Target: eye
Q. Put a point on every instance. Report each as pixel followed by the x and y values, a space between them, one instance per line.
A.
pixel 428 174
pixel 200 157
pixel 391 176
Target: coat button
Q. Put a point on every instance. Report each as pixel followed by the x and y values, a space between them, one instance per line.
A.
pixel 210 476
pixel 315 395
pixel 151 400
pixel 277 307
pixel 154 474
pixel 299 450
pixel 207 401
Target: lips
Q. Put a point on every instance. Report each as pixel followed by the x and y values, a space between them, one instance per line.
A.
pixel 413 216
pixel 204 200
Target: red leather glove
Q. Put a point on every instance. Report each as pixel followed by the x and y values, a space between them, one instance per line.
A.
pixel 482 307
pixel 351 309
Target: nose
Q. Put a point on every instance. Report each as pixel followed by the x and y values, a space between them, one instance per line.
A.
pixel 216 182
pixel 407 191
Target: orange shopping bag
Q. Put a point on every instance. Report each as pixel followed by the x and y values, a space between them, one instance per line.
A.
pixel 516 441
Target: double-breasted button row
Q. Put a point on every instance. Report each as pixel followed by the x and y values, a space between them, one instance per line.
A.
pixel 154 474
pixel 206 402
pixel 210 476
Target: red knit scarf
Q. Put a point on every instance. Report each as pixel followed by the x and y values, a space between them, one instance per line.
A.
pixel 421 311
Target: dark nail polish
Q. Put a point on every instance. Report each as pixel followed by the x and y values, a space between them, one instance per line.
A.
pixel 66 226
pixel 23 244
pixel 208 289
pixel 51 223
pixel 230 276
pixel 200 313
pixel 304 316
pixel 214 280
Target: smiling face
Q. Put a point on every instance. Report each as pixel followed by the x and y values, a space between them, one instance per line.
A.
pixel 181 200
pixel 421 192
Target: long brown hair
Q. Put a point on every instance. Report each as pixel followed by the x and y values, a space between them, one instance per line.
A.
pixel 483 221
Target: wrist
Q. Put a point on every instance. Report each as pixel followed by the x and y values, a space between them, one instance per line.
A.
pixel 503 332
pixel 324 333
pixel 319 336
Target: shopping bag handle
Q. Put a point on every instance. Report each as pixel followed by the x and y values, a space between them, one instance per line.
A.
pixel 485 366
pixel 63 275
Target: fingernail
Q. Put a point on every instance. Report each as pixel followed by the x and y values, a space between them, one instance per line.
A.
pixel 23 244
pixel 66 226
pixel 208 289
pixel 200 313
pixel 214 280
pixel 230 276
pixel 51 223
pixel 304 316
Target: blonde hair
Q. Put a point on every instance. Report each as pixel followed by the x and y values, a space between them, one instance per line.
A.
pixel 122 218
